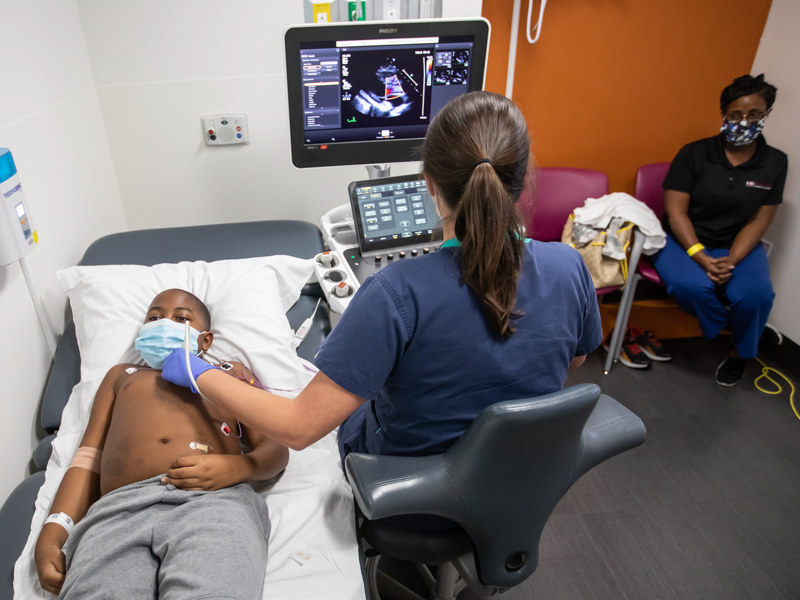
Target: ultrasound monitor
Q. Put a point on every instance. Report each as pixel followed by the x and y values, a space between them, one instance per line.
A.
pixel 365 93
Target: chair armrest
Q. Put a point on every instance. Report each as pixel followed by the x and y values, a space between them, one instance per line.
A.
pixel 44 449
pixel 386 486
pixel 65 374
pixel 610 430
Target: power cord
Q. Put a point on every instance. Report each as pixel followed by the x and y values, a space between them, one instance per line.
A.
pixel 778 388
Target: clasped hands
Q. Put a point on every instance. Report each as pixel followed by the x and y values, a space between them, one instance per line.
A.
pixel 718 270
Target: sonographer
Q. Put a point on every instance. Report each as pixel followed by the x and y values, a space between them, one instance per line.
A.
pixel 426 344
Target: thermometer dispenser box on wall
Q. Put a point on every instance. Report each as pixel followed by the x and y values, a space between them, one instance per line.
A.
pixel 17 234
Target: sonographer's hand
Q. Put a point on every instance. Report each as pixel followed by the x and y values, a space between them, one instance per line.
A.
pixel 174 369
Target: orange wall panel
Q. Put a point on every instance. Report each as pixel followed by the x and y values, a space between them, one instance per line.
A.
pixel 614 84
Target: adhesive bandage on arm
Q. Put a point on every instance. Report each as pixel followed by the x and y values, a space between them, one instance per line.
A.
pixel 87 458
pixel 62 519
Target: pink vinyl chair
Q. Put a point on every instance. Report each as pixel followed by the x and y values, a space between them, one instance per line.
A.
pixel 649 179
pixel 559 191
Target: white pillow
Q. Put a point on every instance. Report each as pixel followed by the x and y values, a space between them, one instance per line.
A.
pixel 247 299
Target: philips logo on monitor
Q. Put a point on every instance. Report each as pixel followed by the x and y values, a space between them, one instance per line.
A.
pixel 392 30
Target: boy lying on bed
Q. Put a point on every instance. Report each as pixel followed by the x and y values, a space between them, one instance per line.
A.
pixel 197 531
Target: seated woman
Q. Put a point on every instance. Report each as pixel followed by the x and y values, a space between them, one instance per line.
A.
pixel 427 343
pixel 720 196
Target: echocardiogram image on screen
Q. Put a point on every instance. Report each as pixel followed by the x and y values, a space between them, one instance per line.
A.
pixel 381 86
pixel 371 90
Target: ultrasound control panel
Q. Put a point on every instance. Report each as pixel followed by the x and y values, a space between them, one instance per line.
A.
pixel 364 266
pixel 393 213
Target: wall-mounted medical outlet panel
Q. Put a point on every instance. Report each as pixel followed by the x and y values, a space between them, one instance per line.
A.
pixel 322 11
pixel 224 130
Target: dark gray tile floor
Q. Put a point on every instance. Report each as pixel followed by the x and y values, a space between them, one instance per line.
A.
pixel 708 508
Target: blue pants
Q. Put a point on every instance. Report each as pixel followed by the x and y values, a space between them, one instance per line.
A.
pixel 749 291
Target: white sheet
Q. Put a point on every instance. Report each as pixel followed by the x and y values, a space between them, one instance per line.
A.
pixel 312 547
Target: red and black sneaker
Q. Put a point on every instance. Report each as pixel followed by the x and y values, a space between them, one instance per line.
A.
pixel 630 354
pixel 650 345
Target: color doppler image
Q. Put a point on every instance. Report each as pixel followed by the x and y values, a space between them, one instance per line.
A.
pixel 378 88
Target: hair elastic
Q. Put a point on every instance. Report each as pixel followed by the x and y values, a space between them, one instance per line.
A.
pixel 483 160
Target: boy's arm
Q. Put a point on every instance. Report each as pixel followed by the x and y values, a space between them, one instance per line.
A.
pixel 265 460
pixel 216 471
pixel 78 490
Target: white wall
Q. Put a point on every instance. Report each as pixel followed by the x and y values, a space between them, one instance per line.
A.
pixel 50 118
pixel 778 57
pixel 161 64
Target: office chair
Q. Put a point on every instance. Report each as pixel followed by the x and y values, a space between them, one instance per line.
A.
pixel 498 484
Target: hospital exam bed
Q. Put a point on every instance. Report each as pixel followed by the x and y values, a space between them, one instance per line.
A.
pixel 148 247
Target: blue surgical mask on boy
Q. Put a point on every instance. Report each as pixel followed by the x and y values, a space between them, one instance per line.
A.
pixel 157 340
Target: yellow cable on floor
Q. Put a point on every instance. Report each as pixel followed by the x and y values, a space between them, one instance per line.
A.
pixel 765 374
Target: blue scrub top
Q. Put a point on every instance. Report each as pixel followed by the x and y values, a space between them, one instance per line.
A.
pixel 416 344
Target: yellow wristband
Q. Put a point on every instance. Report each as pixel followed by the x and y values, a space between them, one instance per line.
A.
pixel 695 249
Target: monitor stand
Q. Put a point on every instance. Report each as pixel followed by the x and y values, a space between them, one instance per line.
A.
pixel 379 171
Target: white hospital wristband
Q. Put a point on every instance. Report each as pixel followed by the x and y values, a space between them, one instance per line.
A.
pixel 62 519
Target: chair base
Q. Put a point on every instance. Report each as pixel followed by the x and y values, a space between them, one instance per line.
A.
pixel 447 583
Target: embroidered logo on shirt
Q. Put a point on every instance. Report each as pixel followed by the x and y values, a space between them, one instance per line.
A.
pixel 758 185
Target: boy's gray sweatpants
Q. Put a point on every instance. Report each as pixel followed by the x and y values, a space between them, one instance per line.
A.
pixel 148 540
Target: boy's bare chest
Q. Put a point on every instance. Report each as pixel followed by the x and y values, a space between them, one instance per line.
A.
pixel 152 407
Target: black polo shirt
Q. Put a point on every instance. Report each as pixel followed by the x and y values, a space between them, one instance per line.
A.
pixel 723 198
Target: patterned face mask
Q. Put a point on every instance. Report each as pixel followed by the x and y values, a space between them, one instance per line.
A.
pixel 743 132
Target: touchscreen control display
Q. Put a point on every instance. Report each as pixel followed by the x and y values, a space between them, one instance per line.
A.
pixel 392 213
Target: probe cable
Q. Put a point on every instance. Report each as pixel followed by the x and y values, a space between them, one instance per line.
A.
pixel 189 366
pixel 778 388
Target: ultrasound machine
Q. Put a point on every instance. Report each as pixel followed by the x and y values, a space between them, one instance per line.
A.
pixel 364 94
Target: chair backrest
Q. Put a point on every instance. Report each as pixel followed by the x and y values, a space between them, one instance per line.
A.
pixel 558 191
pixel 512 466
pixel 648 186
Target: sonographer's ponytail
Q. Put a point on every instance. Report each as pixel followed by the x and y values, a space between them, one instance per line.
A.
pixel 476 152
